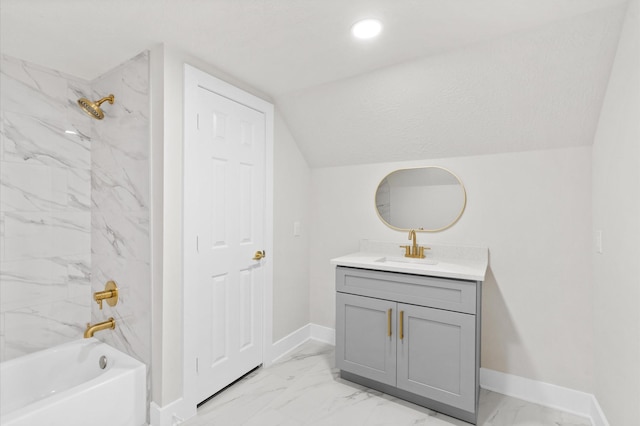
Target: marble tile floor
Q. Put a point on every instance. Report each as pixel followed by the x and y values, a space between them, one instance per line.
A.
pixel 304 388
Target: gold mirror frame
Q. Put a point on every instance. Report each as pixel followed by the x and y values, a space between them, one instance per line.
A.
pixel 422 229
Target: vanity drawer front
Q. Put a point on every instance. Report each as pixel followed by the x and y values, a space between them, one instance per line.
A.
pixel 442 293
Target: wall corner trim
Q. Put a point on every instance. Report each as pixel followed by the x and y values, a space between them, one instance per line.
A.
pixel 296 338
pixel 546 394
pixel 323 334
pixel 596 414
pixel 287 344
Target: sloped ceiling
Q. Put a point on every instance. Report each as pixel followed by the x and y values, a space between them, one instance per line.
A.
pixel 458 77
pixel 540 89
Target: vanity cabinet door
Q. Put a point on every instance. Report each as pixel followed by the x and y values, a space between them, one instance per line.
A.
pixel 366 337
pixel 436 356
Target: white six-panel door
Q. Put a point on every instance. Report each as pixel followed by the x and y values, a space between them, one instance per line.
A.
pixel 224 229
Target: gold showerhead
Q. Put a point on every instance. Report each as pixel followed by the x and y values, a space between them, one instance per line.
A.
pixel 93 108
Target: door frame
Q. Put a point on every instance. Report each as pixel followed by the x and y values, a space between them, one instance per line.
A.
pixel 194 78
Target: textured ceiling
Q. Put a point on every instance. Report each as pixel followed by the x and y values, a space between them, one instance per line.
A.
pixel 456 77
pixel 539 89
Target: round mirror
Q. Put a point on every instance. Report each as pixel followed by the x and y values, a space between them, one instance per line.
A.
pixel 426 199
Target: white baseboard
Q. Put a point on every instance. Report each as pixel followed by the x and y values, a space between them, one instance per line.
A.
pixel 597 415
pixel 298 337
pixel 287 344
pixel 323 334
pixel 171 414
pixel 553 396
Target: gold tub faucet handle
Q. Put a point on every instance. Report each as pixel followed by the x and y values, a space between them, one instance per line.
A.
pixel 110 294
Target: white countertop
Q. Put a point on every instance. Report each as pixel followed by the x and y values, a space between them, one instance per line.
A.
pixel 446 261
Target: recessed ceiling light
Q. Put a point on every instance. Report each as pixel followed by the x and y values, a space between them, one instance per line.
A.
pixel 367 28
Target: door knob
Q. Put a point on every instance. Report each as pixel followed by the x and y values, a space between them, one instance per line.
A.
pixel 259 255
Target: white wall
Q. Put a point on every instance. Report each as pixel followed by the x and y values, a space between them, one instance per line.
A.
pixel 533 211
pixel 616 212
pixel 292 179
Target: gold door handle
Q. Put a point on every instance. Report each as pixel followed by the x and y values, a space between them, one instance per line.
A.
pixel 259 255
pixel 401 325
pixel 389 323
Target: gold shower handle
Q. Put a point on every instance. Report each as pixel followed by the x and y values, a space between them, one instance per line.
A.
pixel 110 294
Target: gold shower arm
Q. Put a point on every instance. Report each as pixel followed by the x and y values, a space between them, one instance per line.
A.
pixel 109 99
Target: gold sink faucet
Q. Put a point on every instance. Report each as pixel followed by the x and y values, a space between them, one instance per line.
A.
pixel 91 329
pixel 414 250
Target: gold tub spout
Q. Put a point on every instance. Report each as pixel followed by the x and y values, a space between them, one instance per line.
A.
pixel 110 323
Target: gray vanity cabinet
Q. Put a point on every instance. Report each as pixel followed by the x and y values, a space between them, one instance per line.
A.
pixel 419 352
pixel 436 357
pixel 367 349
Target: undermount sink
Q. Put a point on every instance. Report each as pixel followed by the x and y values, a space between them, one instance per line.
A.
pixel 405 260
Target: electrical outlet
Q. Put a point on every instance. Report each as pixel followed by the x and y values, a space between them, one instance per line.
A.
pixel 296 229
pixel 598 241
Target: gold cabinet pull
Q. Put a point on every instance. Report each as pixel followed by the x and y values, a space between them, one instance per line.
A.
pixel 259 255
pixel 401 325
pixel 389 322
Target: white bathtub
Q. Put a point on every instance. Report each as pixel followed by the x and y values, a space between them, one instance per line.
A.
pixel 65 385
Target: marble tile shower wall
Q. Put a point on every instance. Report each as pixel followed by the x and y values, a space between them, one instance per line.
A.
pixel 45 218
pixel 74 208
pixel 120 192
